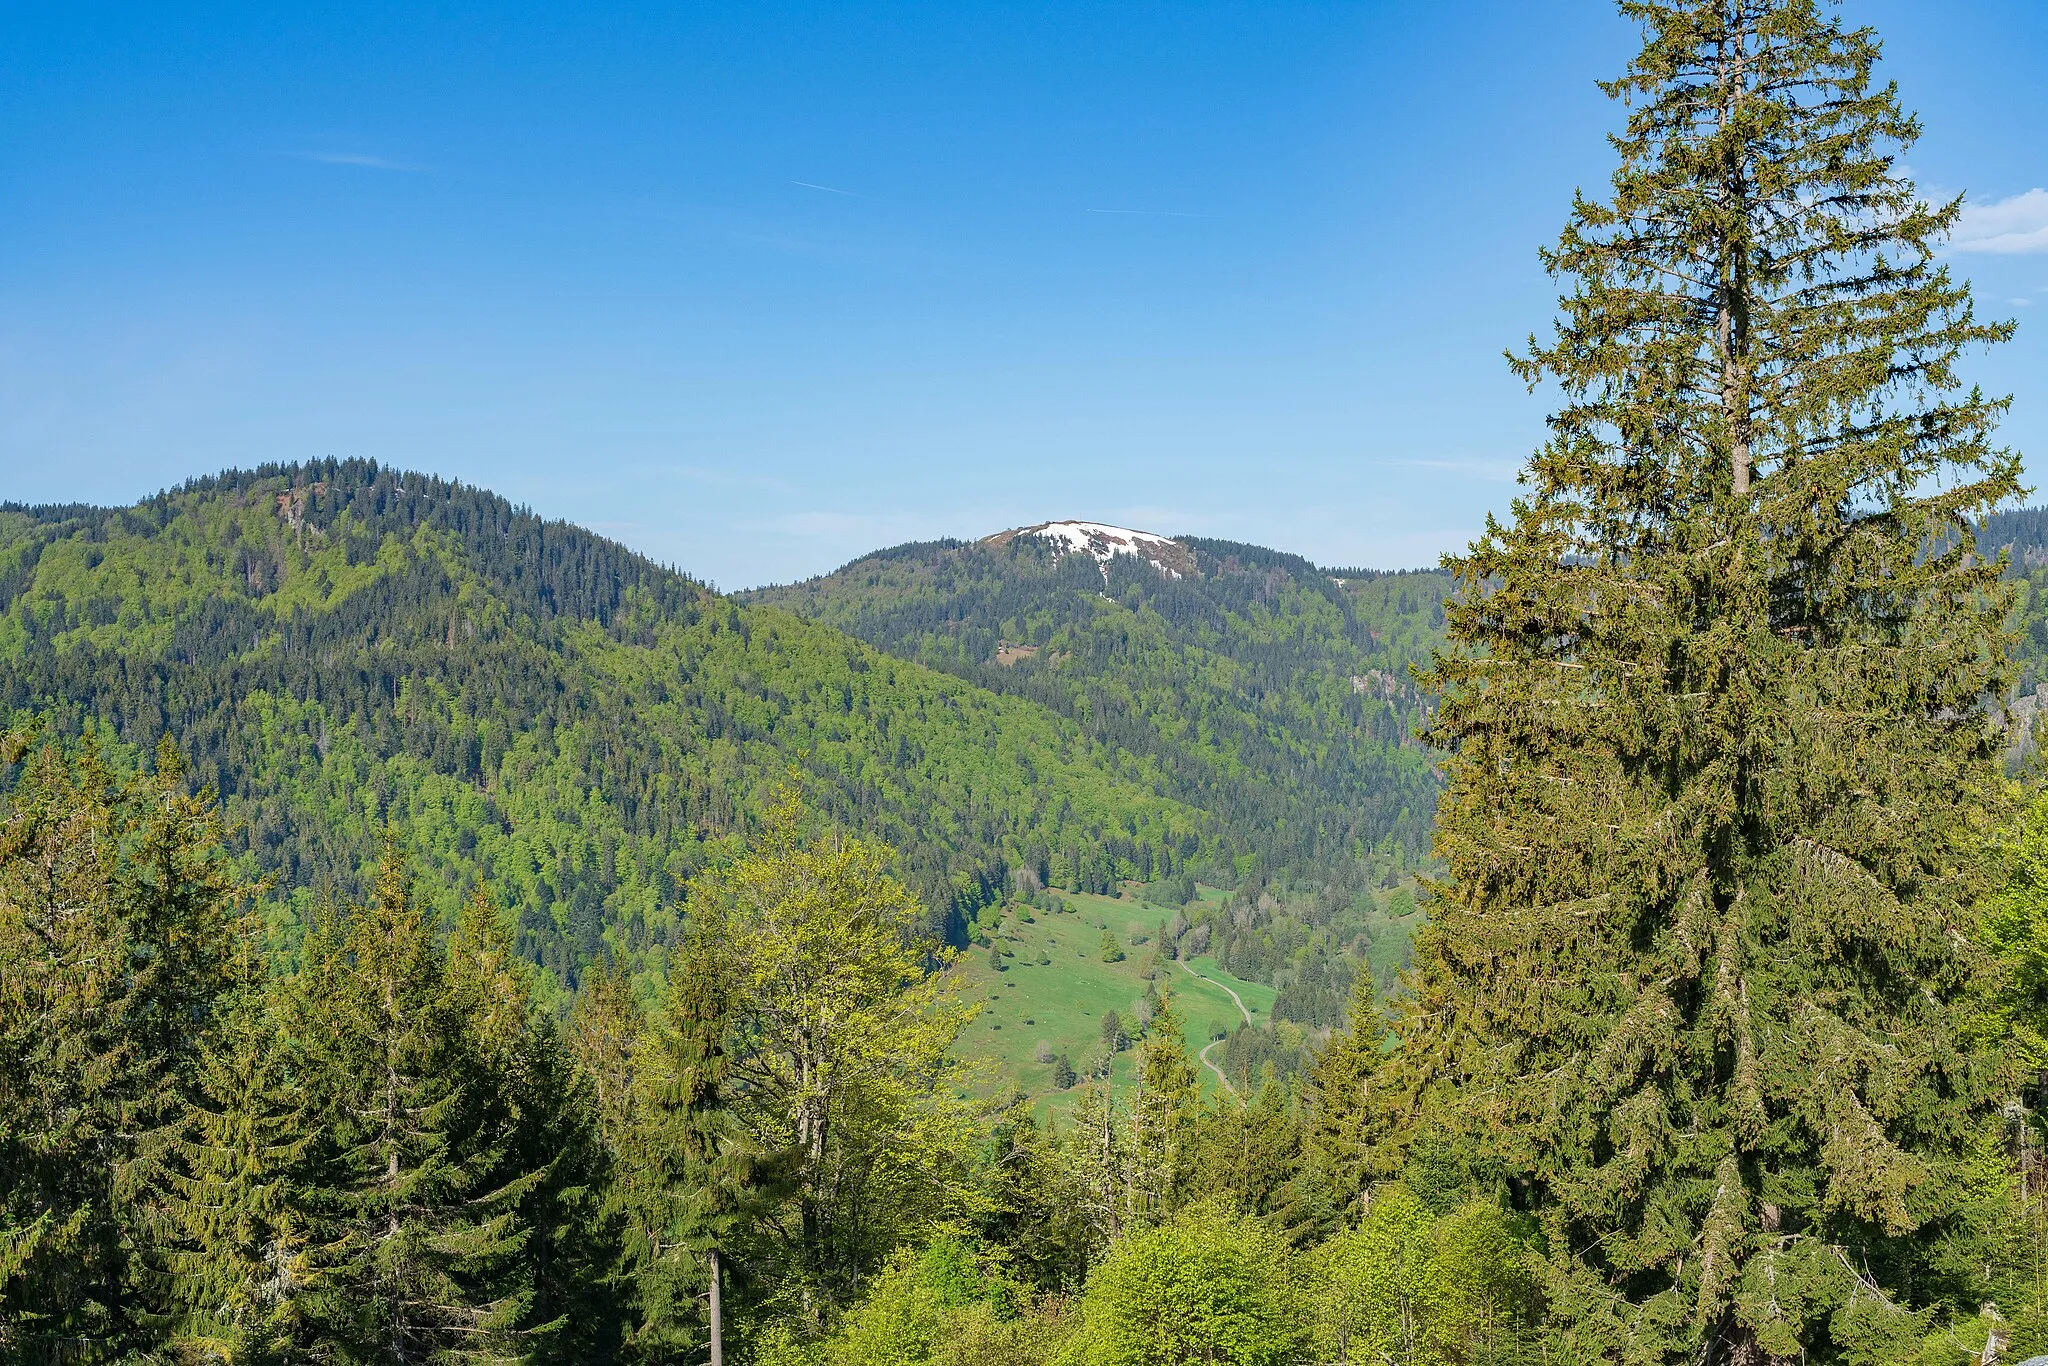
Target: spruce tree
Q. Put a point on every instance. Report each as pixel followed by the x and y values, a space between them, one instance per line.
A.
pixel 422 1208
pixel 1251 1151
pixel 1112 1031
pixel 1701 962
pixel 117 913
pixel 606 1030
pixel 233 1249
pixel 1162 1121
pixel 66 1064
pixel 1344 1116
pixel 702 1180
pixel 542 1110
pixel 1095 1175
pixel 607 1033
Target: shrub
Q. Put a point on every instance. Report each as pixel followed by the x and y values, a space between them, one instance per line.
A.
pixel 943 1306
pixel 1211 1285
pixel 1408 1286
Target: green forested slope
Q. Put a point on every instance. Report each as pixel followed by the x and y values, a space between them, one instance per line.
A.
pixel 339 647
pixel 2023 532
pixel 1265 690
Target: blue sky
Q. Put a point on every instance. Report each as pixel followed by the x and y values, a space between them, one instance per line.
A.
pixel 757 287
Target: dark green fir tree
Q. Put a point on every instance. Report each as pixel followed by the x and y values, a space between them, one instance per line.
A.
pixel 1163 1115
pixel 538 1114
pixel 67 1063
pixel 233 1250
pixel 1343 1128
pixel 423 1210
pixel 117 916
pixel 700 1180
pixel 1702 961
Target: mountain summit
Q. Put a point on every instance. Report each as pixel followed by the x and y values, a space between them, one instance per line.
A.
pixel 1103 543
pixel 1247 676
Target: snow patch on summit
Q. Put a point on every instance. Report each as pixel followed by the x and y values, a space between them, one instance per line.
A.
pixel 1103 542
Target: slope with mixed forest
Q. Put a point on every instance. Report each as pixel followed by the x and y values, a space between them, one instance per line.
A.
pixel 1265 690
pixel 1270 692
pixel 342 648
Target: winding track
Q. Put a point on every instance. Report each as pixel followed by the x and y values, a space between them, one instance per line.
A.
pixel 1221 1080
pixel 1204 1054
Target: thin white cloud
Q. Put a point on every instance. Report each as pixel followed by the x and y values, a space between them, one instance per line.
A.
pixel 362 159
pixel 2014 226
pixel 1151 213
pixel 828 189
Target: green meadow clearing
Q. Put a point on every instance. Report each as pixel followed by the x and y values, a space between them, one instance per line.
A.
pixel 1060 1001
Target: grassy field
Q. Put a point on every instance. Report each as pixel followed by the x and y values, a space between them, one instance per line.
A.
pixel 1061 1001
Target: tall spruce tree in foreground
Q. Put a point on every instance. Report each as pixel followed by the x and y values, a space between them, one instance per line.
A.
pixel 423 1227
pixel 1163 1115
pixel 1344 1115
pixel 117 916
pixel 701 1182
pixel 231 1245
pixel 1702 961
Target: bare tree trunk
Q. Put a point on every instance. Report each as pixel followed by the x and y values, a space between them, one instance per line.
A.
pixel 1732 321
pixel 717 1311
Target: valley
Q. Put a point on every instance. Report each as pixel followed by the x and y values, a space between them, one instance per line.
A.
pixel 343 649
pixel 1054 988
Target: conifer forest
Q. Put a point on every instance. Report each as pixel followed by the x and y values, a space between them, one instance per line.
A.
pixel 434 934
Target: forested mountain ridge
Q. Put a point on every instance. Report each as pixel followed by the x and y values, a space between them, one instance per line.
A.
pixel 2023 534
pixel 1266 690
pixel 339 647
pixel 1271 692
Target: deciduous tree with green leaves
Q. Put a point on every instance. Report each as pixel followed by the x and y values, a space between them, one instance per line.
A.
pixel 1411 1288
pixel 1720 770
pixel 1210 1285
pixel 840 1049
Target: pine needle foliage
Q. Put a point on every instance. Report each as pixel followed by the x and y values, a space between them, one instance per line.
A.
pixel 117 913
pixel 423 1230
pixel 701 1182
pixel 1701 964
pixel 234 1254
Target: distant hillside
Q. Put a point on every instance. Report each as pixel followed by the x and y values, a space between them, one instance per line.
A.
pixel 1267 691
pixel 2024 532
pixel 339 645
pixel 1271 693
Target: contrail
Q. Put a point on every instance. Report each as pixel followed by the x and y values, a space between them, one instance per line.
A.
pixel 1152 213
pixel 830 190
